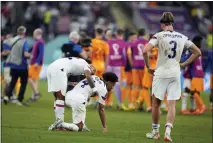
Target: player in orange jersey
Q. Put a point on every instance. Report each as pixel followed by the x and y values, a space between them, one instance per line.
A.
pixel 100 52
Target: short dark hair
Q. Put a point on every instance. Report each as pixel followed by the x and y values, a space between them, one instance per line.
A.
pixel 141 32
pixel 131 33
pixel 6 31
pixel 99 31
pixel 110 76
pixel 120 32
pixel 197 40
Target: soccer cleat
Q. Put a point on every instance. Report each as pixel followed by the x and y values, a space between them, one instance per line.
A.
pixel 203 109
pixel 153 135
pixel 185 112
pixel 54 126
pixel 149 109
pixel 85 129
pixel 131 107
pixel 167 138
pixel 123 107
pixel 21 104
pixel 5 100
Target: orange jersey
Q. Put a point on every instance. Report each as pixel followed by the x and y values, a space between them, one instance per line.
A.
pixel 154 57
pixel 100 49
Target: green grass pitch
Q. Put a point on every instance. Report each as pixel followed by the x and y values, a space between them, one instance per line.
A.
pixel 29 125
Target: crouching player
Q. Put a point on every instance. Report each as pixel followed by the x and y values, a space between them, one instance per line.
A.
pixel 78 98
pixel 57 77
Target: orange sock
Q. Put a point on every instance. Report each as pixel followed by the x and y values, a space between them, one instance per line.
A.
pixel 109 99
pixel 128 92
pixel 135 92
pixel 146 97
pixel 198 100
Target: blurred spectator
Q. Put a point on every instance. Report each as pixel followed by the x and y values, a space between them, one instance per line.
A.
pixel 18 64
pixel 36 63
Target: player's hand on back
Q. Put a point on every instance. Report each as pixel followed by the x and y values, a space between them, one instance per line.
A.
pixel 182 65
pixel 151 71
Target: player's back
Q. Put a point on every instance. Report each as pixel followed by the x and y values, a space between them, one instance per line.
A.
pixel 137 52
pixel 82 91
pixel 99 50
pixel 117 52
pixel 71 65
pixel 170 47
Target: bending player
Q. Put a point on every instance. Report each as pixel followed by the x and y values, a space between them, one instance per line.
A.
pixel 78 97
pixel 167 74
pixel 57 76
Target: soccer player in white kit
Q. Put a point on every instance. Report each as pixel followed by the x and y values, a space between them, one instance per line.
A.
pixel 57 78
pixel 79 96
pixel 167 73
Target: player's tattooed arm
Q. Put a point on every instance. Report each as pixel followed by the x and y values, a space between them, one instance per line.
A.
pixel 102 115
pixel 90 81
pixel 195 54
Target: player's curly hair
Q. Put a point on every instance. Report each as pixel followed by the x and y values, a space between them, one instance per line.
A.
pixel 110 76
pixel 167 18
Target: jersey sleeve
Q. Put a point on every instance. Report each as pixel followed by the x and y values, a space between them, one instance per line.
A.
pixel 188 44
pixel 86 67
pixel 102 96
pixel 106 48
pixel 154 40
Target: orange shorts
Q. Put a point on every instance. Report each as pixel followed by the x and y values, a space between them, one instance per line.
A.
pixel 211 81
pixel 197 84
pixel 137 77
pixel 128 77
pixel 34 72
pixel 147 79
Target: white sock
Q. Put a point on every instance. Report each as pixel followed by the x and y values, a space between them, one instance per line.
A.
pixel 169 127
pixel 59 109
pixel 184 101
pixel 70 126
pixel 155 127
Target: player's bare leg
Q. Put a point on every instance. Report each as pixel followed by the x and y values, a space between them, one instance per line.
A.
pixel 211 100
pixel 170 119
pixel 154 134
pixel 34 86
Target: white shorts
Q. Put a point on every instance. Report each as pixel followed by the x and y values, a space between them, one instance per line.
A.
pixel 187 83
pixel 57 80
pixel 78 110
pixel 170 86
pixel 7 77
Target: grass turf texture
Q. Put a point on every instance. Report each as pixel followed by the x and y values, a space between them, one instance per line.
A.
pixel 29 125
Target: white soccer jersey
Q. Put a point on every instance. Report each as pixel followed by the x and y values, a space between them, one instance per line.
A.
pixel 82 91
pixel 170 47
pixel 72 65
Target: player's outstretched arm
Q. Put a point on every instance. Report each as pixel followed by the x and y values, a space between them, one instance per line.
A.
pixel 102 116
pixel 195 54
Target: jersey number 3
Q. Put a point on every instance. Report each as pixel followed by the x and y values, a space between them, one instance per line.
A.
pixel 174 46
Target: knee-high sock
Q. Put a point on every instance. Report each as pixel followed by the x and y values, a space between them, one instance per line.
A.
pixel 128 92
pixel 123 92
pixel 184 101
pixel 118 92
pixel 109 99
pixel 198 100
pixel 59 109
pixel 146 97
pixel 70 126
pixel 135 92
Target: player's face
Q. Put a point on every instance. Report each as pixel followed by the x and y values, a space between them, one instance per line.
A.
pixel 110 85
